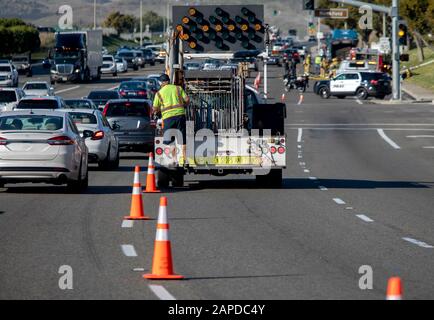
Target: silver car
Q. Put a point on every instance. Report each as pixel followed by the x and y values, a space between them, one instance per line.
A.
pixel 38 88
pixel 132 123
pixel 42 147
pixel 9 98
pixel 46 102
pixel 109 65
pixel 103 145
pixel 8 75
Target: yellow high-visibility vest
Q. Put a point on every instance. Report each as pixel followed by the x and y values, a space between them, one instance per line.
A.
pixel 171 101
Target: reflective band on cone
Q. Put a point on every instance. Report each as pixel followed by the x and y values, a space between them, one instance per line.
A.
pixel 162 265
pixel 151 184
pixel 137 212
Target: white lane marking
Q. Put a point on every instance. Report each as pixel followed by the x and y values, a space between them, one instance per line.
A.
pixel 299 146
pixel 161 292
pixel 313 178
pixel 428 147
pixel 421 136
pixel 358 101
pixel 66 90
pixel 300 135
pixel 303 164
pixel 387 139
pixel 129 250
pixel 418 243
pixel 339 201
pixel 306 171
pixel 114 88
pixel 139 269
pixel 322 188
pixel 127 224
pixel 349 208
pixel 364 218
pixel 300 157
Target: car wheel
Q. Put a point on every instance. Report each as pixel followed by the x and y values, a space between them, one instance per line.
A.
pixel 2 185
pixel 105 164
pixel 115 74
pixel 340 97
pixel 381 97
pixel 362 94
pixel 114 164
pixel 152 63
pixel 80 184
pixel 324 92
pixel 136 68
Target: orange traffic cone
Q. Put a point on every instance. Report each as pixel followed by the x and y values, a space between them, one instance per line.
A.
pixel 151 185
pixel 394 289
pixel 162 266
pixel 136 212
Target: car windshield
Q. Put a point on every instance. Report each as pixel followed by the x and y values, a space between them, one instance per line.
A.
pixel 5 69
pixel 108 59
pixel 133 86
pixel 36 86
pixel 373 76
pixel 37 104
pixel 102 95
pixel 31 122
pixel 126 54
pixel 83 118
pixel 128 109
pixel 19 60
pixel 79 104
pixel 7 96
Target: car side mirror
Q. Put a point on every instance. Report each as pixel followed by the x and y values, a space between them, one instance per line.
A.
pixel 115 126
pixel 87 134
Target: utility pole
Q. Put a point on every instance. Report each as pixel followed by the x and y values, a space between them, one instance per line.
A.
pixel 392 11
pixel 267 53
pixel 141 23
pixel 94 14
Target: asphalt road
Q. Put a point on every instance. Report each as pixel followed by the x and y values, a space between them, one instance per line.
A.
pixel 358 191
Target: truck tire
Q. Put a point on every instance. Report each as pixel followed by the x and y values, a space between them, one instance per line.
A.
pixel 163 179
pixel 272 180
pixel 178 179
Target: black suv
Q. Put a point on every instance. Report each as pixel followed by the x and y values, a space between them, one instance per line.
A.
pixel 359 84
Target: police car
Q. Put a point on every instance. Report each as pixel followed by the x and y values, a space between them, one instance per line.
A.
pixel 359 84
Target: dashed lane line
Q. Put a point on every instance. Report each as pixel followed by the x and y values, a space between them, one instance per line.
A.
pixel 300 135
pixel 339 201
pixel 66 90
pixel 161 292
pixel 418 243
pixel 322 188
pixel 387 139
pixel 129 250
pixel 364 218
pixel 420 136
pixel 127 224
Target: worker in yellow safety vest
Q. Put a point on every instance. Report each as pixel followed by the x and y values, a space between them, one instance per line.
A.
pixel 171 102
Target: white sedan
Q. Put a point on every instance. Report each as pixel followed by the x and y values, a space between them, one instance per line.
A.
pixel 41 146
pixel 38 88
pixel 121 65
pixel 103 145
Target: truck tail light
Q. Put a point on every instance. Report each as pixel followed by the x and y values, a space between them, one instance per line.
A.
pixel 273 150
pixel 159 151
pixel 374 82
pixel 60 141
pixel 281 150
pixel 99 135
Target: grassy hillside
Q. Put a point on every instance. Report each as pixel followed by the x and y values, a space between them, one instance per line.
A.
pixel 423 76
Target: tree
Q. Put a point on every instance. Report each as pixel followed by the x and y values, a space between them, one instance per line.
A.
pixel 17 37
pixel 120 22
pixel 155 22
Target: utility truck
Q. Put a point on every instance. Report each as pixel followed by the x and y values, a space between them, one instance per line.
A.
pixel 230 130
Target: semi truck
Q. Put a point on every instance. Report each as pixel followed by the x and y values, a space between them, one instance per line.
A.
pixel 77 56
pixel 230 128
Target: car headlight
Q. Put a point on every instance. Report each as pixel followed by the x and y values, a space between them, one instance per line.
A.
pixel 54 71
pixel 10 77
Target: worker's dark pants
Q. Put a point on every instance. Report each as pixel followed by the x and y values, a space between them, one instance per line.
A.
pixel 176 123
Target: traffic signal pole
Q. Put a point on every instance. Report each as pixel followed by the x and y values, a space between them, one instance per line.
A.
pixel 393 11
